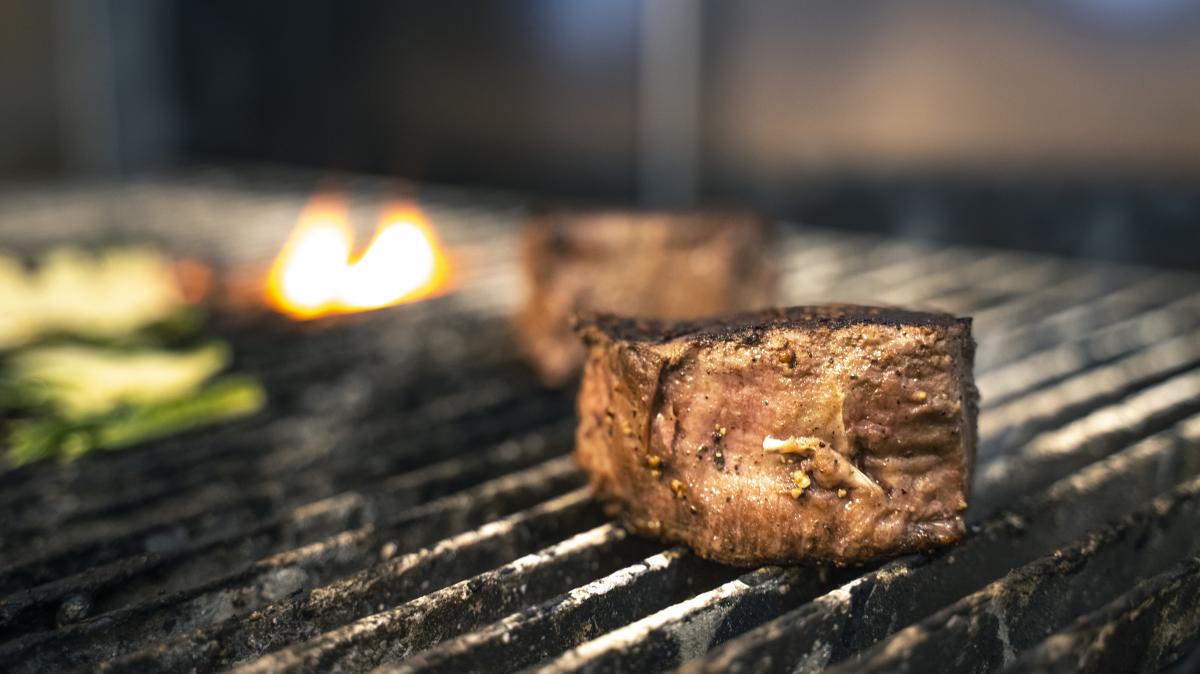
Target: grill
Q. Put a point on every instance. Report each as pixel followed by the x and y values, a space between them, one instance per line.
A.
pixel 407 501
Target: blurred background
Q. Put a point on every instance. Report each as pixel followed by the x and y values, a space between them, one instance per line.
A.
pixel 1070 126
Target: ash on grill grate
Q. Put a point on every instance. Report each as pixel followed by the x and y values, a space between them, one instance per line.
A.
pixel 856 614
pixel 406 501
pixel 1142 630
pixel 985 630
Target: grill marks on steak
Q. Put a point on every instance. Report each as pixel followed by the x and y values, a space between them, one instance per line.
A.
pixel 655 265
pixel 826 434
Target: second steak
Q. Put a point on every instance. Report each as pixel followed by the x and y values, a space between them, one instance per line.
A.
pixel 824 434
pixel 652 265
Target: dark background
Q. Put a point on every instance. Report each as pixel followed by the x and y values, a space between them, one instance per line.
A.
pixel 1064 125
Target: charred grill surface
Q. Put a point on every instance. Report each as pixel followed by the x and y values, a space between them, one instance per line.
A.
pixel 407 501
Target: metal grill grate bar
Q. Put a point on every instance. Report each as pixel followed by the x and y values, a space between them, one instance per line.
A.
pixel 1145 629
pixel 1085 440
pixel 294 541
pixel 986 630
pixel 1015 422
pixel 389 583
pixel 527 637
pixel 1139 332
pixel 287 448
pixel 858 614
pixel 1005 344
pixel 464 606
pixel 92 542
pixel 147 578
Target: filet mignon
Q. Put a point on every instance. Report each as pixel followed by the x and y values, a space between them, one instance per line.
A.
pixel 653 265
pixel 815 434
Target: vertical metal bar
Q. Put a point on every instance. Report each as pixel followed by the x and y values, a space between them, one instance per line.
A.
pixel 669 103
pixel 87 91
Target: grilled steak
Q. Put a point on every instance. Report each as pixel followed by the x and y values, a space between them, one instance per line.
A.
pixel 823 434
pixel 667 266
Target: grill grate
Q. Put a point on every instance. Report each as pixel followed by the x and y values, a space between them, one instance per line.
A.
pixel 407 502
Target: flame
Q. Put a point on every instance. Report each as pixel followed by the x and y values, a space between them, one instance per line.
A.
pixel 316 274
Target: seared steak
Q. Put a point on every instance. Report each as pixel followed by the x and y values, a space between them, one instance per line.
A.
pixel 668 266
pixel 822 434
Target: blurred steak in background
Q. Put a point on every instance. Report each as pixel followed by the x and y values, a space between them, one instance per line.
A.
pixel 671 266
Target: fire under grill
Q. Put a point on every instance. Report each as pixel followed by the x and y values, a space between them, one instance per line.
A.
pixel 408 502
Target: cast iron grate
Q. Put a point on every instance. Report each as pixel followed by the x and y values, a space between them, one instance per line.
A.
pixel 407 502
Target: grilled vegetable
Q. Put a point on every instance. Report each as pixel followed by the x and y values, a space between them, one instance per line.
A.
pixel 226 398
pixel 79 380
pixel 102 351
pixel 105 296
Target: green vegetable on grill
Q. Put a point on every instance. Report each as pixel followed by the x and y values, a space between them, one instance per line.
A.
pixel 102 353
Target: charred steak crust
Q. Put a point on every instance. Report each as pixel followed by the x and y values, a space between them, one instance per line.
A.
pixel 751 325
pixel 834 433
pixel 663 265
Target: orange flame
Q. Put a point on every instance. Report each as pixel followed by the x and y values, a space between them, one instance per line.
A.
pixel 315 273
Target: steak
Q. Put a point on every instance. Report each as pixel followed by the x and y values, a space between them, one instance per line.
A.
pixel 658 265
pixel 817 434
